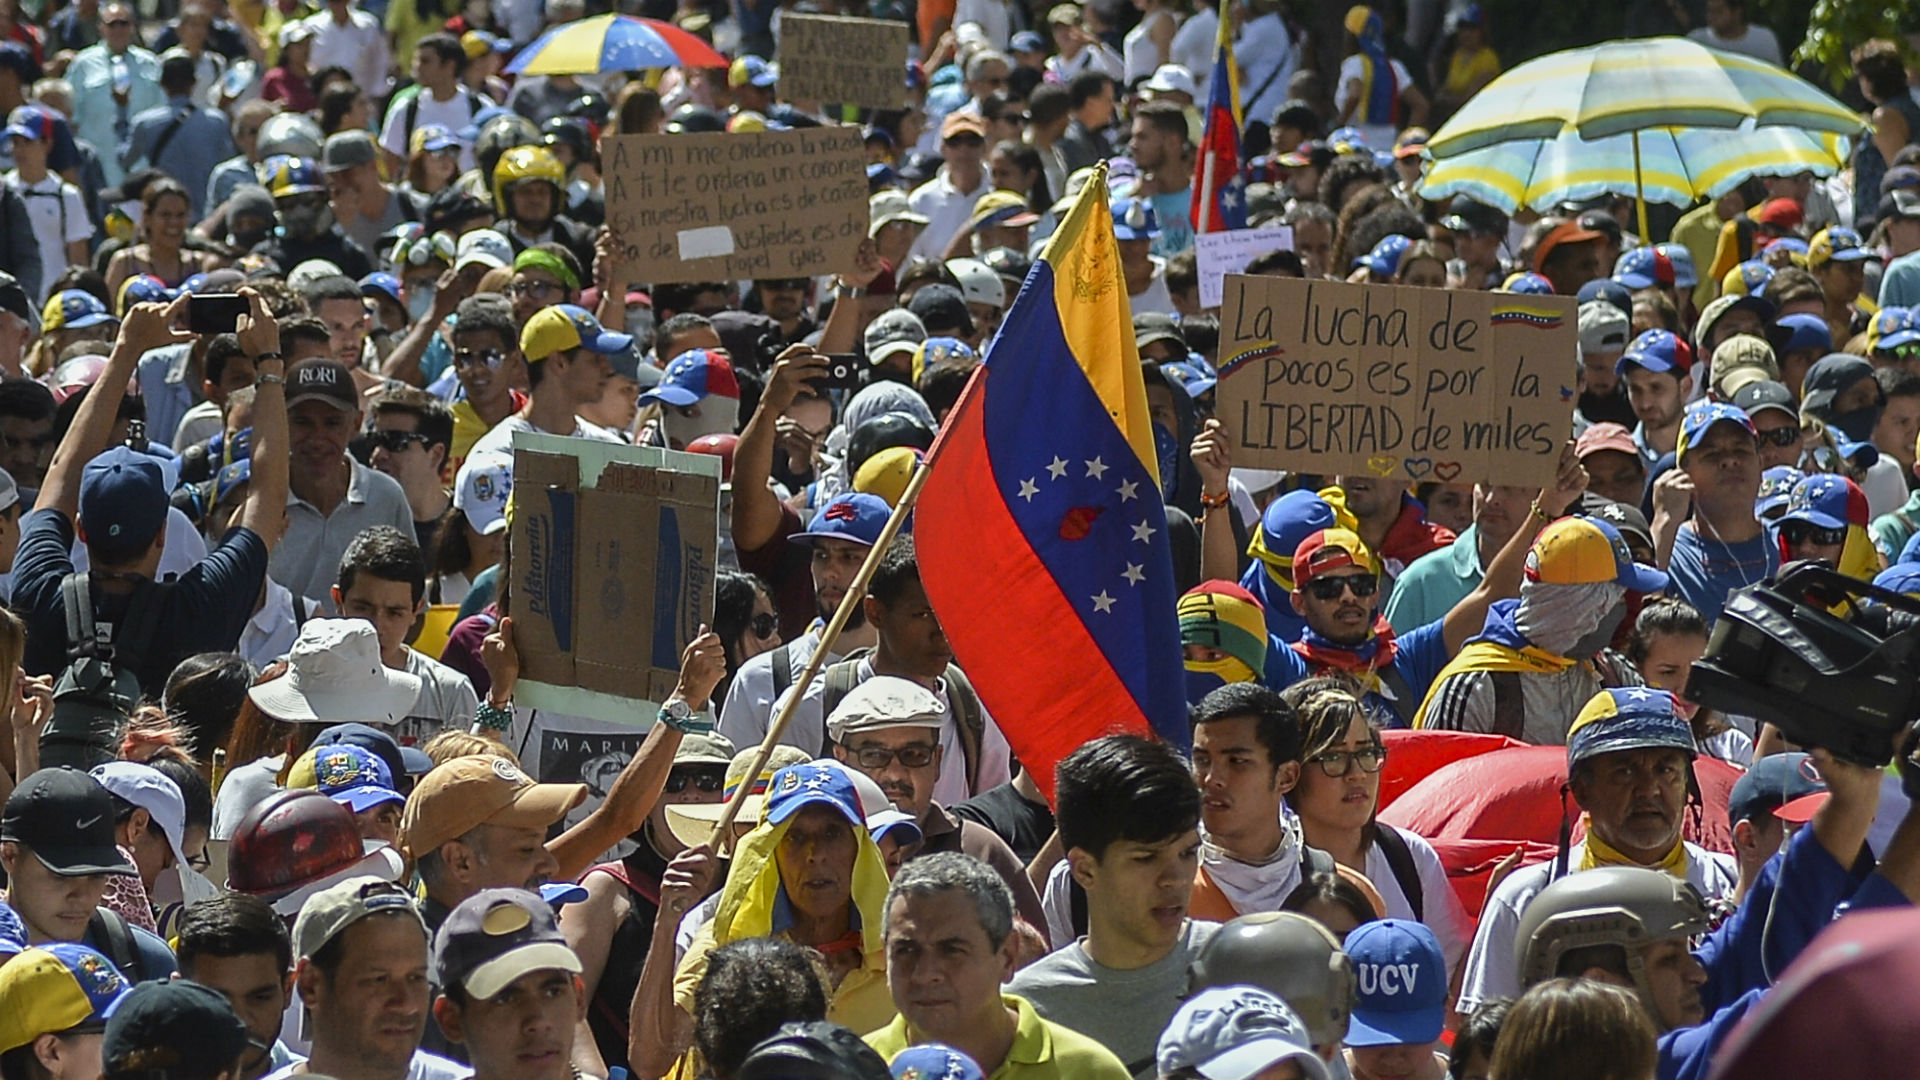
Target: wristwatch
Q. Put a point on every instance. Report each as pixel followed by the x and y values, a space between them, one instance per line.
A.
pixel 680 716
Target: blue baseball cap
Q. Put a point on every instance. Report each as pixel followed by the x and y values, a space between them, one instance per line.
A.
pixel 1821 500
pixel 74 309
pixel 1776 485
pixel 381 283
pixel 1793 245
pixel 1526 284
pixel 752 71
pixel 1900 578
pixel 1656 350
pixel 694 375
pixel 1774 782
pixel 1701 418
pixel 123 501
pixel 1643 268
pixel 1609 290
pixel 797 787
pixel 1682 260
pixel 354 777
pixel 1195 381
pixel 1134 219
pixel 852 516
pixel 1747 278
pixel 1905 334
pixel 434 137
pixel 1348 140
pixel 1028 41
pixel 399 759
pixel 559 894
pixel 30 122
pixel 1400 973
pixel 936 1061
pixel 13 932
pixel 1803 331
pixel 1384 259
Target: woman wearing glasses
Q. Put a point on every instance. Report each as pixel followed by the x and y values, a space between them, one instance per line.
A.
pixel 744 617
pixel 1338 793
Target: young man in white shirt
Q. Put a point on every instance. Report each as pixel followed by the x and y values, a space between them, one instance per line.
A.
pixel 436 97
pixel 54 207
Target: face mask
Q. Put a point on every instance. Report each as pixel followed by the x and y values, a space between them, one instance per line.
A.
pixel 1857 425
pixel 247 232
pixel 1596 639
pixel 420 300
pixel 306 222
pixel 1165 450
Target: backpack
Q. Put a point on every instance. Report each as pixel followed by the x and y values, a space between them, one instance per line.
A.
pixel 969 718
pixel 1400 860
pixel 411 114
pixel 98 689
pixel 112 936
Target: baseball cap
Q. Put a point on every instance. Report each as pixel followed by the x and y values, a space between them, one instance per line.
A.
pixel 1625 518
pixel 1526 284
pixel 1627 718
pixel 55 987
pixel 1237 1033
pixel 570 326
pixel 1604 328
pixel 852 516
pixel 797 787
pixel 694 375
pixel 328 913
pixel 494 937
pixel 1803 331
pixel 13 298
pixel 1829 376
pixel 962 123
pixel 123 501
pixel 893 332
pixel 1764 394
pixel 347 149
pixel 1604 436
pixel 1900 202
pixel 151 790
pixel 1826 500
pixel 1411 142
pixel 1134 219
pixel 401 760
pixel 66 818
pixel 1739 360
pixel 1656 350
pixel 320 378
pixel 1466 215
pixel 73 309
pixel 481 489
pixel 692 823
pixel 481 789
pixel 1781 213
pixel 1001 208
pixel 1684 275
pixel 747 71
pixel 1027 41
pixel 1400 974
pixel 1191 378
pixel 1835 243
pixel 709 748
pixel 1606 290
pixel 1313 152
pixel 941 352
pixel 311 271
pixel 1587 551
pixel 1778 784
pixel 885 701
pixel 1327 550
pixel 172 1028
pixel 13 932
pixel 1064 15
pixel 428 138
pixel 1746 278
pixel 940 308
pixel 890 205
pixel 29 122
pixel 1710 316
pixel 887 472
pixel 334 673
pixel 1567 232
pixel 1644 268
pixel 381 283
pixel 897 823
pixel 485 247
pixel 1152 326
pixel 1384 259
pixel 1889 323
pixel 354 777
pixel 812 1051
pixel 1776 485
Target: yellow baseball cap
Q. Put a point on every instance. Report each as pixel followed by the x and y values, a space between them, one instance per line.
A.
pixel 1587 551
pixel 54 988
pixel 568 326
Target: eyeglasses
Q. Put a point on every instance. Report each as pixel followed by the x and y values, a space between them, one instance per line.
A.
pixel 490 358
pixel 1782 437
pixel 704 780
pixel 1805 532
pixel 763 625
pixel 539 290
pixel 1338 763
pixel 200 863
pixel 393 440
pixel 1330 588
pixel 879 757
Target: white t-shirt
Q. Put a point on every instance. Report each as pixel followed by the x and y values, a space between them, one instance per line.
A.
pixel 455 113
pixel 59 218
pixel 424 1066
pixel 1378 136
pixel 946 207
pixel 1155 296
pixel 1440 906
pixel 1758 42
pixel 993 17
pixel 499 438
pixel 1192 49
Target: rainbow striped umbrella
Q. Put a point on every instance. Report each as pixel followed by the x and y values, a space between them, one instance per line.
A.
pixel 1678 165
pixel 1626 86
pixel 613 43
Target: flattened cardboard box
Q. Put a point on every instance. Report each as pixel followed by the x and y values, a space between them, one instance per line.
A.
pixel 612 565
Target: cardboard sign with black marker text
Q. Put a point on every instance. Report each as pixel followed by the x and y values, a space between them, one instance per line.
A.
pixel 1408 384
pixel 844 61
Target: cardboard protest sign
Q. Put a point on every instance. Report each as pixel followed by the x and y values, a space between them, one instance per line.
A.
pixel 772 204
pixel 829 58
pixel 1229 252
pixel 1409 384
pixel 611 564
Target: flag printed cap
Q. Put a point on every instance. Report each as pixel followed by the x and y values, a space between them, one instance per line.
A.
pixel 1656 350
pixel 569 326
pixel 1827 501
pixel 1626 718
pixel 1329 550
pixel 56 987
pixel 1701 418
pixel 354 777
pixel 694 375
pixel 797 787
pixel 1643 268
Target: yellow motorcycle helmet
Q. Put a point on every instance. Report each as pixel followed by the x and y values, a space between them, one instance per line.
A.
pixel 522 164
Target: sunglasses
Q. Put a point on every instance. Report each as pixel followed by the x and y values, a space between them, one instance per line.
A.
pixel 1804 532
pixel 879 757
pixel 1330 588
pixel 707 781
pixel 393 441
pixel 489 358
pixel 1338 763
pixel 763 625
pixel 539 290
pixel 1782 437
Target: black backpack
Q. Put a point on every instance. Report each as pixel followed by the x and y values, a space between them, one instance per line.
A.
pixel 97 691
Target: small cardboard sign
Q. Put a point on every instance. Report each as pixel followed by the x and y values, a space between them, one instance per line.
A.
pixel 1229 252
pixel 612 560
pixel 839 60
pixel 1408 384
pixel 719 207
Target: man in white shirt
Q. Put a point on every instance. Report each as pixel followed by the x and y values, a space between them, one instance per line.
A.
pixel 946 201
pixel 436 97
pixel 568 366
pixel 1076 48
pixel 1727 28
pixel 1267 57
pixel 993 17
pixel 54 207
pixel 351 38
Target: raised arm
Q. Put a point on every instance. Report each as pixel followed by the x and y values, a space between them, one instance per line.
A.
pixel 266 509
pixel 756 510
pixel 1502 579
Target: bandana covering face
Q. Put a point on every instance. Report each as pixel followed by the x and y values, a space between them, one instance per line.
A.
pixel 1224 616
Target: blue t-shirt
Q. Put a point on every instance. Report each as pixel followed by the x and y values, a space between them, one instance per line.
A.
pixel 1703 570
pixel 1172 210
pixel 1421 653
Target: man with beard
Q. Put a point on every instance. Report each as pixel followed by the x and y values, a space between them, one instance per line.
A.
pixel 1537 657
pixel 476 823
pixel 1657 370
pixel 307 228
pixel 1629 765
pixel 889 728
pixel 1392 522
pixel 1604 331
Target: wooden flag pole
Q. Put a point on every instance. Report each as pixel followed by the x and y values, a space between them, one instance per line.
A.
pixel 856 594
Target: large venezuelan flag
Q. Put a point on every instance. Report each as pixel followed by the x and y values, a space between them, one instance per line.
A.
pixel 1041 534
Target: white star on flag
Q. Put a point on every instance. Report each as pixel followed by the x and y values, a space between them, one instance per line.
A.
pixel 1134 573
pixel 1102 602
pixel 1129 489
pixel 1028 489
pixel 1143 532
pixel 1096 468
pixel 1058 469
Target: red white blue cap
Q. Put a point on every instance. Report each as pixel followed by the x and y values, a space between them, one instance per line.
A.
pixel 1826 501
pixel 693 375
pixel 853 516
pixel 1656 350
pixel 30 122
pixel 1643 268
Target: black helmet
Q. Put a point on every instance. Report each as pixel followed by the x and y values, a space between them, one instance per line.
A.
pixel 884 432
pixel 814 1051
pixel 501 134
pixel 695 120
pixel 570 132
pixel 590 107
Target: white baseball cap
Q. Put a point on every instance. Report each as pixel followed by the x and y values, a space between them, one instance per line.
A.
pixel 1236 1033
pixel 153 791
pixel 1172 79
pixel 979 283
pixel 480 491
pixel 483 246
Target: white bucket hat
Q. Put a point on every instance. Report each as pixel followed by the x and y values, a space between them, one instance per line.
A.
pixel 334 676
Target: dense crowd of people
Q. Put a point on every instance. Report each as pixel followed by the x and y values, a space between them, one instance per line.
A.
pixel 270 806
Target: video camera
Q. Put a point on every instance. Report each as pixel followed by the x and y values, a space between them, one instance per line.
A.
pixel 1779 653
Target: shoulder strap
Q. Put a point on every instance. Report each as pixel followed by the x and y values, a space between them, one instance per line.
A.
pixel 782 670
pixel 1400 861
pixel 410 115
pixel 1315 861
pixel 301 613
pixel 835 683
pixel 1509 704
pixel 969 722
pixel 113 936
pixel 167 134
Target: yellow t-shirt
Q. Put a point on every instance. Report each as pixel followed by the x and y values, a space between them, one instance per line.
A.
pixel 861 1003
pixel 1466 71
pixel 1042 1050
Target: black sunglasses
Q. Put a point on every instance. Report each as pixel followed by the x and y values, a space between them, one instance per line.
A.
pixel 1802 532
pixel 1782 437
pixel 1330 588
pixel 763 625
pixel 705 780
pixel 393 441
pixel 879 757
